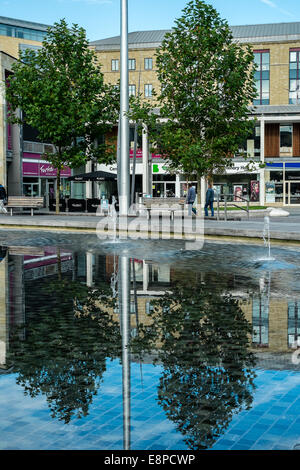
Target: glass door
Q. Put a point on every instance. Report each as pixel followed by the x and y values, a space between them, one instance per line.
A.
pixel 158 189
pixel 295 192
pixel 51 189
pixel 170 189
pixel 292 193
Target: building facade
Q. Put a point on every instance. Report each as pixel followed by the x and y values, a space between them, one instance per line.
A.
pixel 276 138
pixel 23 170
pixel 276 133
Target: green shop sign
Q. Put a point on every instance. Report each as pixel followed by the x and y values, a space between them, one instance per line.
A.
pixel 155 168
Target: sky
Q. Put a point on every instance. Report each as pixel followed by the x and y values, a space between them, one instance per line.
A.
pixel 101 18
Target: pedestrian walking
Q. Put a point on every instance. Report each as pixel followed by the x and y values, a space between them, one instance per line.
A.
pixel 3 199
pixel 209 201
pixel 190 199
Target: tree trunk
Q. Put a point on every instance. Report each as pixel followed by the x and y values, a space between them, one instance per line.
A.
pixel 57 190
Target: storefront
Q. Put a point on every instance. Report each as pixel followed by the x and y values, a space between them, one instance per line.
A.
pixel 283 183
pixel 39 178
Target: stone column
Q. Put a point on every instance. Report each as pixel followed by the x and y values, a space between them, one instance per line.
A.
pixel 145 147
pixel 89 269
pixel 145 276
pixel 88 184
pixel 177 186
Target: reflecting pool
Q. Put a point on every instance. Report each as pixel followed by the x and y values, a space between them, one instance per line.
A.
pixel 144 345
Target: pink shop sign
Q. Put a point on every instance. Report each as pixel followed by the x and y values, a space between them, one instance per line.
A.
pixel 43 170
pixel 139 154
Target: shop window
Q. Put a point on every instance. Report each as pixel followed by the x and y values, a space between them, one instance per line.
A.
pixel 274 187
pixel 262 77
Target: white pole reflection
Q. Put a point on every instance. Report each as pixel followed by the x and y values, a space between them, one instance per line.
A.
pixel 124 303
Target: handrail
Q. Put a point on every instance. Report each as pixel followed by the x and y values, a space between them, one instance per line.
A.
pixel 231 203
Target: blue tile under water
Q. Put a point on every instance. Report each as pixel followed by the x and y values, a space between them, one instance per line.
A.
pixel 67 385
pixel 249 431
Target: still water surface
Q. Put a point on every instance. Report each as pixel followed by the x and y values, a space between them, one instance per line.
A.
pixel 144 345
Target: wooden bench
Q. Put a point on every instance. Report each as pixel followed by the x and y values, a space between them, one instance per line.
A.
pixel 24 202
pixel 162 204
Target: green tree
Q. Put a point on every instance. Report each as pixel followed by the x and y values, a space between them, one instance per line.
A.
pixel 208 374
pixel 207 86
pixel 69 339
pixel 61 91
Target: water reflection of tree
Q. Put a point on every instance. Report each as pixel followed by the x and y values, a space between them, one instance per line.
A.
pixel 208 370
pixel 69 336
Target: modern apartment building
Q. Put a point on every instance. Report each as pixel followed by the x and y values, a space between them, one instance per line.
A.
pixel 15 36
pixel 276 134
pixel 23 170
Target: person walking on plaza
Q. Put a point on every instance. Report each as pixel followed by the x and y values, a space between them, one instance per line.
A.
pixel 191 196
pixel 209 201
pixel 3 199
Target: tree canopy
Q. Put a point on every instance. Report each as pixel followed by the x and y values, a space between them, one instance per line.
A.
pixel 207 86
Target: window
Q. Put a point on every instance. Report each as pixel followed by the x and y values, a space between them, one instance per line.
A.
pixel 131 90
pixel 286 138
pixel 252 144
pixel 24 47
pixel 148 64
pixel 262 77
pixel 148 91
pixel 115 65
pixel 260 321
pixel 293 324
pixel 294 94
pixel 25 33
pixel 131 64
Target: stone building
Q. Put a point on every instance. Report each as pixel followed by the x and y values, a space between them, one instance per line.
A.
pixel 276 136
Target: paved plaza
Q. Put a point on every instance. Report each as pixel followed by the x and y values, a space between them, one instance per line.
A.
pixel 281 228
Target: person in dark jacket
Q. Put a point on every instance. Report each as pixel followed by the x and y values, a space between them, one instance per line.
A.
pixel 209 201
pixel 3 199
pixel 190 199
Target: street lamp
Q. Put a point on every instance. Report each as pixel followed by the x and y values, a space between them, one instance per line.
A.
pixel 124 175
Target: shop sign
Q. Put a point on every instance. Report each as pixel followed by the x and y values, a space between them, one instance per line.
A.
pixel 159 168
pixel 243 168
pixel 42 169
pixel 139 153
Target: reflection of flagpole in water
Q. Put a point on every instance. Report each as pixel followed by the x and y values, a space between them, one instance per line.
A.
pixel 265 287
pixel 136 311
pixel 124 302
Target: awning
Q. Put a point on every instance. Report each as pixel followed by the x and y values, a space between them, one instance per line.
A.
pixel 94 176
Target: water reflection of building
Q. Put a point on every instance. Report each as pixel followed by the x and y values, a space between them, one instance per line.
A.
pixel 274 318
